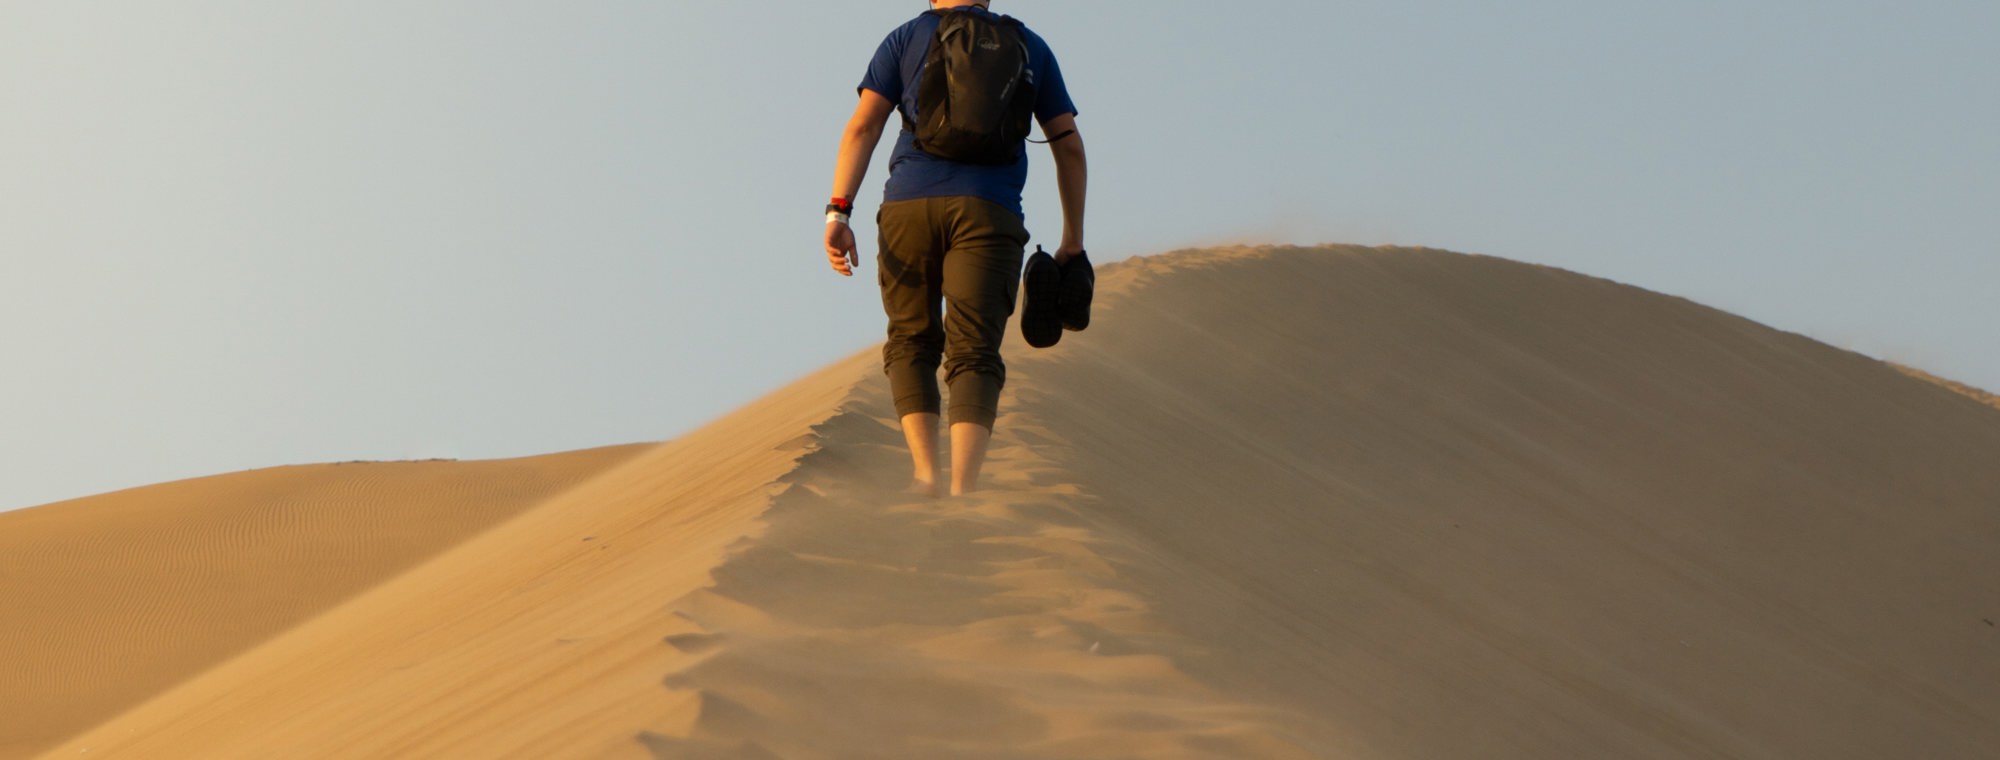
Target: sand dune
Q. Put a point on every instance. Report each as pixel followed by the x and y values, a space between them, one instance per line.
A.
pixel 113 598
pixel 1284 503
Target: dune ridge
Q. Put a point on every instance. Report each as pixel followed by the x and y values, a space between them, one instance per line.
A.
pixel 1277 502
pixel 1954 386
pixel 863 622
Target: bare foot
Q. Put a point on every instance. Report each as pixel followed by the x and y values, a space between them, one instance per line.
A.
pixel 922 488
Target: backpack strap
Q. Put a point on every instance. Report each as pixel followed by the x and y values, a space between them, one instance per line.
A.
pixel 910 125
pixel 1059 136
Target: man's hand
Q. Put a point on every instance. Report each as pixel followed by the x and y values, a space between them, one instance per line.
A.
pixel 840 249
pixel 857 144
pixel 1066 252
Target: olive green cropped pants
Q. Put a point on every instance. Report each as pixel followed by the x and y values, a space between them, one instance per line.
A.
pixel 950 269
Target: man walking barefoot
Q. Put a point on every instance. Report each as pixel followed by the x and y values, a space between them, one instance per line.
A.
pixel 950 226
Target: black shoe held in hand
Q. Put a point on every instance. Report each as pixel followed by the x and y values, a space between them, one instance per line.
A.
pixel 1079 281
pixel 1041 312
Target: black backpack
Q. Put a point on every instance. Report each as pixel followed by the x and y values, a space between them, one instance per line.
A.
pixel 976 94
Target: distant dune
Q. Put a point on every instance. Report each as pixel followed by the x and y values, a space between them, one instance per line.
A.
pixel 1336 502
pixel 113 598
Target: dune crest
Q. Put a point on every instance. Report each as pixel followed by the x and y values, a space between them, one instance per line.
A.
pixel 1954 386
pixel 1276 502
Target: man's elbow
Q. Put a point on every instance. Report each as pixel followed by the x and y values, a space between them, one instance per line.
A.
pixel 862 132
pixel 1070 148
pixel 861 135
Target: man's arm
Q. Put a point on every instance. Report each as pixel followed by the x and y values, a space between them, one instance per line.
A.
pixel 1072 179
pixel 857 148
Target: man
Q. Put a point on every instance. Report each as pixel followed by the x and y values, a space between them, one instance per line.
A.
pixel 951 232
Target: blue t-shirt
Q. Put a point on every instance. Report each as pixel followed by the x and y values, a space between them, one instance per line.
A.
pixel 916 174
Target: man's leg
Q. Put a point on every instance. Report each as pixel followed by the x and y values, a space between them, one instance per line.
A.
pixel 982 276
pixel 968 454
pixel 920 432
pixel 909 272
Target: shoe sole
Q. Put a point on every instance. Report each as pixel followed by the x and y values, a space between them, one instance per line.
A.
pixel 1041 286
pixel 1079 280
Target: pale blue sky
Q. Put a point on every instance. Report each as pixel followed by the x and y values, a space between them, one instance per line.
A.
pixel 242 234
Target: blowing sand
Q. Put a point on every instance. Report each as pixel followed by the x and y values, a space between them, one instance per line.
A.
pixel 1275 503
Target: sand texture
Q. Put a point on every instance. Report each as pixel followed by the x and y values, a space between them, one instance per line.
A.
pixel 1337 502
